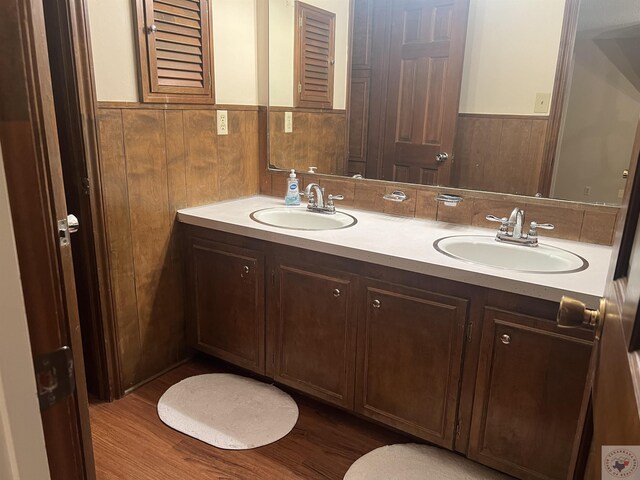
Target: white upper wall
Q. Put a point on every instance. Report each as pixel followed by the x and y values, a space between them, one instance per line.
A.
pixel 236 44
pixel 114 54
pixel 511 54
pixel 281 50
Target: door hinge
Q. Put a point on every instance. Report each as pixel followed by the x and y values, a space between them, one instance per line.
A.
pixel 299 21
pixel 55 378
pixel 273 278
pixel 299 88
pixel 457 430
pixel 469 331
pixel 86 186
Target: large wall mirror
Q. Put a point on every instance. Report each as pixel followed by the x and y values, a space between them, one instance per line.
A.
pixel 492 95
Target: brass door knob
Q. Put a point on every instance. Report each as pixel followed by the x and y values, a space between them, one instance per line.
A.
pixel 573 313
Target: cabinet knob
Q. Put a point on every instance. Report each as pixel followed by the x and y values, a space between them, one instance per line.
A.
pixel 245 269
pixel 152 29
pixel 376 304
pixel 336 292
pixel 506 339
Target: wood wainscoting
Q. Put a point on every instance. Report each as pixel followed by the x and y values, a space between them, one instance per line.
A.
pixel 318 140
pixel 499 153
pixel 155 160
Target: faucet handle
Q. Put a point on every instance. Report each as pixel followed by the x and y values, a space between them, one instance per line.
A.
pixel 533 231
pixel 504 222
pixel 310 197
pixel 331 198
pixel 535 226
pixel 544 226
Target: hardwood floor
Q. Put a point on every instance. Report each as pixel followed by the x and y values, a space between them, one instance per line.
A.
pixel 131 442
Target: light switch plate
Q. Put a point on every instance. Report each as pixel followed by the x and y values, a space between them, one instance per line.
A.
pixel 542 103
pixel 288 122
pixel 223 123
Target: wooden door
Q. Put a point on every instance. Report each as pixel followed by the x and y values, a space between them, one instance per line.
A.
pixel 31 156
pixel 529 391
pixel 425 74
pixel 616 359
pixel 227 289
pixel 315 323
pixel 410 345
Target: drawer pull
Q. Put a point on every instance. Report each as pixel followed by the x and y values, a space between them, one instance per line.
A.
pixel 336 293
pixel 245 269
pixel 506 339
pixel 376 304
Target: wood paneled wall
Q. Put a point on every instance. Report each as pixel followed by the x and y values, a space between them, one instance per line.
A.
pixel 574 221
pixel 153 162
pixel 499 153
pixel 318 140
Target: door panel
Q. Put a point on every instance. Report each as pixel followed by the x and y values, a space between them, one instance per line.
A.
pixel 616 361
pixel 425 65
pixel 410 345
pixel 227 284
pixel 316 323
pixel 31 155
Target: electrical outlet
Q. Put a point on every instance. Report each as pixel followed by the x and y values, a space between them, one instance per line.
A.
pixel 587 190
pixel 542 103
pixel 223 123
pixel 288 122
pixel 621 193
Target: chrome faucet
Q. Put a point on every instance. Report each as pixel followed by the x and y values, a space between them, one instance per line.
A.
pixel 315 199
pixel 517 220
pixel 511 229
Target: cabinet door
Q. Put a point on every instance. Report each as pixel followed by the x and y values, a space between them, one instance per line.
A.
pixel 227 291
pixel 315 330
pixel 529 390
pixel 410 345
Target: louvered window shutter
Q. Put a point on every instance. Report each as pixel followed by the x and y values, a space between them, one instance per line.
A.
pixel 175 51
pixel 315 56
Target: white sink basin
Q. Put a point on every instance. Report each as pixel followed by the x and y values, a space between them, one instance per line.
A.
pixel 485 250
pixel 299 218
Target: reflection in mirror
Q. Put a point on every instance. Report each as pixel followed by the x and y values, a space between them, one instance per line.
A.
pixel 603 104
pixel 455 93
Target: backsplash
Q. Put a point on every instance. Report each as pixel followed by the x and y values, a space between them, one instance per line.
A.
pixel 573 221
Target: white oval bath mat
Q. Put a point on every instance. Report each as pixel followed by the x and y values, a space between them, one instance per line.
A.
pixel 411 461
pixel 228 411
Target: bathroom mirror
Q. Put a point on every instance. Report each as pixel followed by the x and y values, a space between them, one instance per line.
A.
pixel 458 93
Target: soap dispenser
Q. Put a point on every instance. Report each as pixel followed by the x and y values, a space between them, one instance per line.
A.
pixel 292 196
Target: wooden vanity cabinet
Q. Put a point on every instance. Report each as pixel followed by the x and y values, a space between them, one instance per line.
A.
pixel 227 317
pixel 529 392
pixel 313 319
pixel 485 373
pixel 410 346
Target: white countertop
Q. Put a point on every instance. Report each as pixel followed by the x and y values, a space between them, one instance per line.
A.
pixel 407 244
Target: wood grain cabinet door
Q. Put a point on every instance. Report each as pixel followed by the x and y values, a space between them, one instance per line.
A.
pixel 410 345
pixel 227 295
pixel 315 326
pixel 529 390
